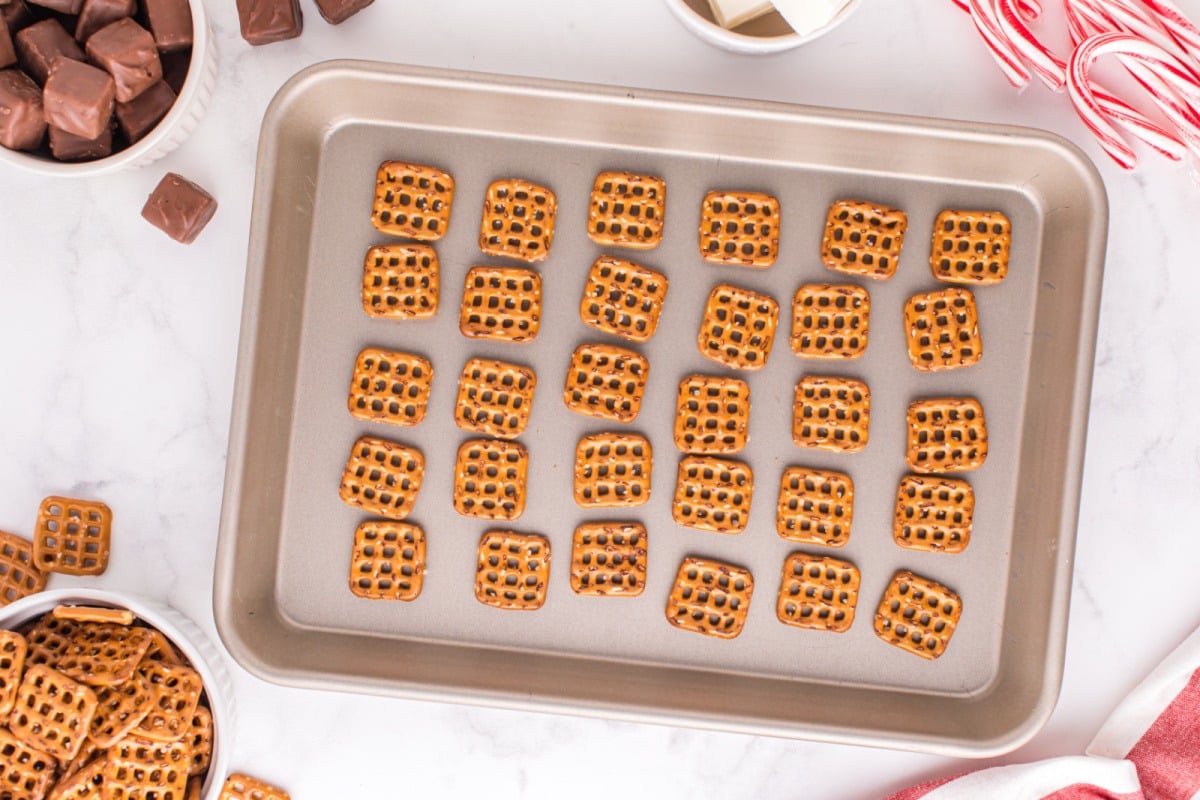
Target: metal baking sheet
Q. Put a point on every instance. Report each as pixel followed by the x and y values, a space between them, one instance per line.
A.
pixel 281 599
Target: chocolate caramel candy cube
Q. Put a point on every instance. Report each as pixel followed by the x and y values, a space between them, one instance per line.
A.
pixel 139 116
pixel 8 50
pixel 61 6
pixel 175 68
pixel 79 98
pixel 40 44
pixel 268 21
pixel 336 12
pixel 67 146
pixel 97 14
pixel 22 123
pixel 171 23
pixel 127 51
pixel 16 16
pixel 179 208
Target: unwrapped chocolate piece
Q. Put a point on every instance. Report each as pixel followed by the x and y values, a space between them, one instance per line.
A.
pixel 171 23
pixel 66 146
pixel 61 6
pixel 22 124
pixel 97 14
pixel 179 208
pixel 41 43
pixel 8 50
pixel 268 21
pixel 127 51
pixel 139 116
pixel 16 15
pixel 78 98
pixel 175 68
pixel 336 12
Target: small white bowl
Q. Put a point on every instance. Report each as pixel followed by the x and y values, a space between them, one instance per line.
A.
pixel 168 134
pixel 767 34
pixel 181 631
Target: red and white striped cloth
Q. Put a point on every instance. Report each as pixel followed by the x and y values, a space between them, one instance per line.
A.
pixel 1149 749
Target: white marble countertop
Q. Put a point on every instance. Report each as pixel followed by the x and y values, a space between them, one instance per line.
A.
pixel 117 364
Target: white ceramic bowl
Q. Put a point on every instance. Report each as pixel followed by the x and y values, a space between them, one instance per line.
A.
pixel 768 34
pixel 180 121
pixel 183 633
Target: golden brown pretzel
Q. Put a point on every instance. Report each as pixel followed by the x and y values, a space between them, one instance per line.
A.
pixel 609 558
pixel 815 506
pixel 412 200
pixel 627 210
pixel 513 570
pixel 489 479
pixel 970 246
pixel 401 281
pixel 738 327
pixel 390 386
pixel 831 414
pixel 818 593
pixel 613 469
pixel 518 220
pixel 606 381
pixel 739 228
pixel 501 303
pixel 942 330
pixel 830 321
pixel 388 561
pixel 917 615
pixel 713 494
pixel 863 238
pixel 623 298
pixel 712 415
pixel 710 597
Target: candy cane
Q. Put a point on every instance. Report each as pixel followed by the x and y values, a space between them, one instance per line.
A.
pixel 987 22
pixel 1134 16
pixel 1048 67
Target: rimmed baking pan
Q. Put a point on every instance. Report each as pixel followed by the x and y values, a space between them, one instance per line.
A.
pixel 281 598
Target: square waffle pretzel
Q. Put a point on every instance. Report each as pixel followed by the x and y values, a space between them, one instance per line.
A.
pixel 815 506
pixel 243 787
pixel 830 321
pixel 623 298
pixel 25 772
pixel 818 593
pixel 382 477
pixel 120 709
pixel 917 615
pixel 200 738
pixel 606 381
pixel 942 329
pixel 710 597
pixel 401 281
pixel 612 469
pixel 494 398
pixel 103 654
pixel 832 414
pixel 513 570
pixel 176 694
pixel 388 562
pixel 390 386
pixel 18 575
pixel 52 712
pixel 84 784
pixel 142 769
pixel 970 246
pixel 627 210
pixel 518 220
pixel 934 514
pixel 501 303
pixel 412 200
pixel 863 238
pixel 12 664
pixel 738 327
pixel 609 559
pixel 712 415
pixel 739 228
pixel 713 494
pixel 489 479
pixel 73 536
pixel 49 639
pixel 946 434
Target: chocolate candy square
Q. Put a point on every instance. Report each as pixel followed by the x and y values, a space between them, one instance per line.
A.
pixel 78 98
pixel 171 23
pixel 267 21
pixel 41 43
pixel 22 124
pixel 175 68
pixel 16 16
pixel 139 116
pixel 67 146
pixel 61 6
pixel 179 208
pixel 8 50
pixel 97 14
pixel 127 51
pixel 336 12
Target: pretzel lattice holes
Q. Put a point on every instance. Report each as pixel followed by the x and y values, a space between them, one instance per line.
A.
pixel 918 615
pixel 623 298
pixel 513 570
pixel 612 469
pixel 946 435
pixel 738 327
pixel 489 479
pixel 383 477
pixel 971 246
pixel 710 597
pixel 627 210
pixel 389 386
pixel 831 414
pixel 863 238
pixel 501 303
pixel 942 330
pixel 494 398
pixel 712 415
pixel 830 321
pixel 401 281
pixel 818 593
pixel 609 558
pixel 518 220
pixel 815 506
pixel 606 381
pixel 412 200
pixel 388 561
pixel 739 228
pixel 934 514
pixel 713 494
